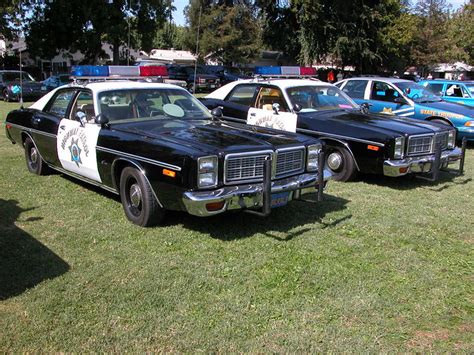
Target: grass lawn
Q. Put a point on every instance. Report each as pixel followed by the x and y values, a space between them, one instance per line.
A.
pixel 381 265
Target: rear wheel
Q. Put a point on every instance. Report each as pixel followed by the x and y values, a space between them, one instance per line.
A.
pixel 34 162
pixel 138 201
pixel 341 164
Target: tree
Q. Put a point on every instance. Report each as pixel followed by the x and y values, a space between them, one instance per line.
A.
pixel 228 32
pixel 85 24
pixel 460 35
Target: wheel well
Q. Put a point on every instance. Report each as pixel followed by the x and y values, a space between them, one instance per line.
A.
pixel 338 143
pixel 23 137
pixel 117 168
pixel 439 118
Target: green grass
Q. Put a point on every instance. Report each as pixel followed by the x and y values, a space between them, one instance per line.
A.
pixel 381 265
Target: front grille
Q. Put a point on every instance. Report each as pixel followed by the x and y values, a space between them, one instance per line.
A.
pixel 249 167
pixel 289 161
pixel 419 145
pixel 442 140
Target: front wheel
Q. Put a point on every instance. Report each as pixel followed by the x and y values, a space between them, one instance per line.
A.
pixel 137 198
pixel 341 163
pixel 6 96
pixel 34 162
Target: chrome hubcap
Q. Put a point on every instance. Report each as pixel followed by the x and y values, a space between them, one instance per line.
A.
pixel 33 155
pixel 334 160
pixel 135 195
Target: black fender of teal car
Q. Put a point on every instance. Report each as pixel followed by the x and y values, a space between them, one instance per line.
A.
pixel 174 158
pixel 356 141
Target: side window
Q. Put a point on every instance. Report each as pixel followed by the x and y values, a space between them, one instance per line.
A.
pixel 355 88
pixel 84 103
pixel 453 90
pixel 435 88
pixel 60 103
pixel 268 96
pixel 383 92
pixel 243 95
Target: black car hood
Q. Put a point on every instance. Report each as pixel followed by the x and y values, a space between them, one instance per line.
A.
pixel 212 137
pixel 367 126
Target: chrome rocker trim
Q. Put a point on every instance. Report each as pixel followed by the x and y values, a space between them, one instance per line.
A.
pixel 248 195
pixel 421 164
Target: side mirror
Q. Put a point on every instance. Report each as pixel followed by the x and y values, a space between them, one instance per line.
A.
pixel 217 113
pixel 81 117
pixel 276 108
pixel 364 107
pixel 101 119
pixel 297 107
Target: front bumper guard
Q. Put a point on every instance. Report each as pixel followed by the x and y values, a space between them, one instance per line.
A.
pixel 428 164
pixel 252 197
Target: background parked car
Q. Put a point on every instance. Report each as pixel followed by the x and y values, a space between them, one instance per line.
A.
pixel 204 82
pixel 55 81
pixel 461 92
pixel 355 141
pixel 405 98
pixel 11 86
pixel 226 74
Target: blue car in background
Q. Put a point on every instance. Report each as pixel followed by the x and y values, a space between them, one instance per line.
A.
pixel 461 92
pixel 405 98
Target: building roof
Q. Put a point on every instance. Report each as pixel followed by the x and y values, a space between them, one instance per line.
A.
pixel 172 56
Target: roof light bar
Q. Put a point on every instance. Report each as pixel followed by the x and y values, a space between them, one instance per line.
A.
pixel 286 71
pixel 117 71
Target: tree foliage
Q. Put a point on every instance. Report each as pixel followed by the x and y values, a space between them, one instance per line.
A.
pixel 228 32
pixel 85 24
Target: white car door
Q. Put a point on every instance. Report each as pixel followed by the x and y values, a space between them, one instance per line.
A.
pixel 77 141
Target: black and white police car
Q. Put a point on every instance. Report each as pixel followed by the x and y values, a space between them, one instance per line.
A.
pixel 160 149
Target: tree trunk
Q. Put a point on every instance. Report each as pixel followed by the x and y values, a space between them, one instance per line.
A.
pixel 116 53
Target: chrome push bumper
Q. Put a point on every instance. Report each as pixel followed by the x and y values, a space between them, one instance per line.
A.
pixel 423 164
pixel 250 196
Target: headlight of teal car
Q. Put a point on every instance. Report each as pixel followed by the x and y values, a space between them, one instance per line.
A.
pixel 452 139
pixel 207 171
pixel 398 152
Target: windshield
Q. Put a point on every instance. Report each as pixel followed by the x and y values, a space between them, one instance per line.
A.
pixel 150 104
pixel 318 98
pixel 417 92
pixel 15 76
pixel 470 87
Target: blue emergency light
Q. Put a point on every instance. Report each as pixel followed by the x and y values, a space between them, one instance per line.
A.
pixel 118 71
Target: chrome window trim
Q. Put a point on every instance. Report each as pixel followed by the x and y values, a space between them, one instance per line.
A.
pixel 137 157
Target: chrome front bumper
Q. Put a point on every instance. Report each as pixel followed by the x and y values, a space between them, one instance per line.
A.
pixel 248 196
pixel 423 164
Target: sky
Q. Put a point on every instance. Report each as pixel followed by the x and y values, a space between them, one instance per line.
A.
pixel 181 21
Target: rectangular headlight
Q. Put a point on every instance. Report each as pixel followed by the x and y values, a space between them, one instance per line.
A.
pixel 312 157
pixel 398 152
pixel 207 171
pixel 452 139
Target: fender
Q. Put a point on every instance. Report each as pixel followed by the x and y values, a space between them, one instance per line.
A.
pixel 441 119
pixel 140 169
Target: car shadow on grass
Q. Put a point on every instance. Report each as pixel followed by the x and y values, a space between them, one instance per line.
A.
pixel 408 182
pixel 283 224
pixel 24 262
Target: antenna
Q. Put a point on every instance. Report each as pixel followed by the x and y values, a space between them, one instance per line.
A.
pixel 21 81
pixel 197 48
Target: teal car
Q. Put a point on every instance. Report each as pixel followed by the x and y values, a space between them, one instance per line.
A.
pixel 461 92
pixel 405 98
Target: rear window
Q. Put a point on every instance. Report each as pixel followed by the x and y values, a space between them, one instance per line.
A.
pixel 435 88
pixel 355 88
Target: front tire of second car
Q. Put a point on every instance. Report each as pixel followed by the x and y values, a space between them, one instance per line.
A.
pixel 341 163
